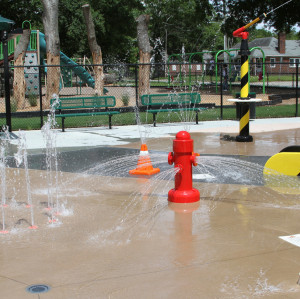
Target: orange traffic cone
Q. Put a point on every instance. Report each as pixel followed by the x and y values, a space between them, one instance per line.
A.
pixel 144 165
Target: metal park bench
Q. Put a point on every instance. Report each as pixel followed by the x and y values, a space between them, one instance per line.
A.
pixel 85 106
pixel 171 102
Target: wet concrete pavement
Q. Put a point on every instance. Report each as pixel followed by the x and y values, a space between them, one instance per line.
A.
pixel 116 236
pixel 221 143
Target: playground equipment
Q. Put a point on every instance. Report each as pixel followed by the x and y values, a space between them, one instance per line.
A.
pixel 230 65
pixel 203 66
pixel 180 57
pixel 31 73
pixel 35 55
pixel 183 157
pixel 5 28
pixel 80 71
pixel 244 99
pixel 282 171
pixel 286 162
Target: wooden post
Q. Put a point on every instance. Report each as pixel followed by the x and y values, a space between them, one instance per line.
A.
pixel 145 54
pixel 50 22
pixel 19 80
pixel 95 50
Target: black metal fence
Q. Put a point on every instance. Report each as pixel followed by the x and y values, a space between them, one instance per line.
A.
pixel 26 107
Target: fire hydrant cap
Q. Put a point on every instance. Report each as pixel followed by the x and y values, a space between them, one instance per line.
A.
pixel 183 143
pixel 183 135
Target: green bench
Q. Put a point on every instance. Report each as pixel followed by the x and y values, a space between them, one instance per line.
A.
pixel 171 102
pixel 84 106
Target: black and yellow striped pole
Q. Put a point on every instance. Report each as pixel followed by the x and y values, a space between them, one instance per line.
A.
pixel 244 96
pixel 244 106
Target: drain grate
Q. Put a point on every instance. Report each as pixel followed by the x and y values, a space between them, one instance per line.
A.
pixel 38 288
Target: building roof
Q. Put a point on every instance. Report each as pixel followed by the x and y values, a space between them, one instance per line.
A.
pixel 270 47
pixel 5 24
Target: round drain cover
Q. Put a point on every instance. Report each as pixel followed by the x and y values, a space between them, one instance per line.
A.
pixel 38 288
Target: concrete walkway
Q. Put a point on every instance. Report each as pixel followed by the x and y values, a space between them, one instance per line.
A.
pixel 122 135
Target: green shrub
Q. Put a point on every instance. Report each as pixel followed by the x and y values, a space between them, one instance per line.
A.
pixel 125 99
pixel 13 105
pixel 32 99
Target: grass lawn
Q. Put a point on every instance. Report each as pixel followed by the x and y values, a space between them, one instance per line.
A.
pixel 128 118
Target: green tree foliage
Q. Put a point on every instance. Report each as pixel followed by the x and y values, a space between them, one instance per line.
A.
pixel 260 33
pixel 179 21
pixel 119 26
pixel 240 13
pixel 212 37
pixel 196 24
pixel 72 30
pixel 284 17
pixel 292 35
pixel 114 24
pixel 21 10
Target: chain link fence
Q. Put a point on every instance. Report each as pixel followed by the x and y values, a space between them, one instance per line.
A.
pixel 275 84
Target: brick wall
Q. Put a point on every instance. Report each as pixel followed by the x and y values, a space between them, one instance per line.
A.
pixel 281 42
pixel 281 65
pixel 195 69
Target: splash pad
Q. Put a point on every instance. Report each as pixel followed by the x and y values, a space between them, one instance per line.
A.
pixel 119 235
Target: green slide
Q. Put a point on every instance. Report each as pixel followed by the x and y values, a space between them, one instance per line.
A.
pixel 81 72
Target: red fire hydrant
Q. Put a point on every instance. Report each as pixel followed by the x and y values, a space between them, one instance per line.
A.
pixel 183 158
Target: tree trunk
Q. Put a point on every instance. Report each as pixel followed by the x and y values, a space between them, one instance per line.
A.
pixel 95 50
pixel 145 54
pixel 50 22
pixel 19 79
